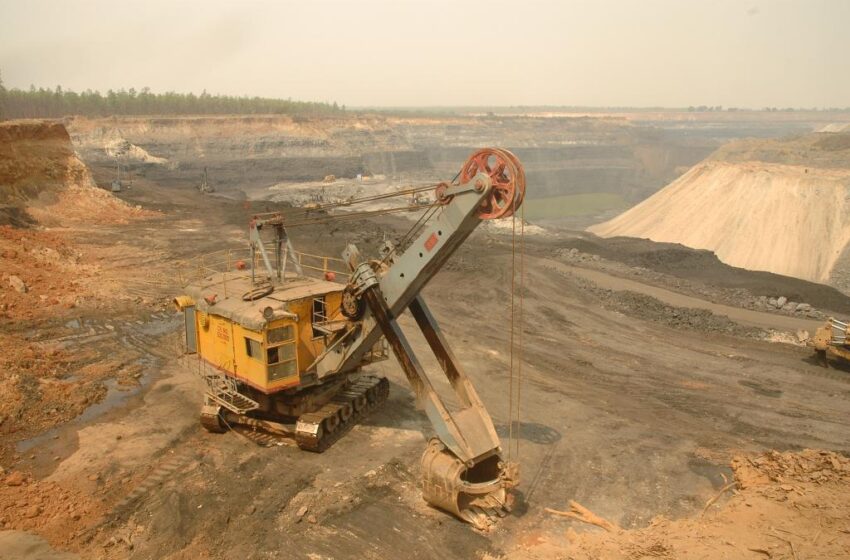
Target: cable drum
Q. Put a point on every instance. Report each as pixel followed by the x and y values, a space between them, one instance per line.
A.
pixel 257 293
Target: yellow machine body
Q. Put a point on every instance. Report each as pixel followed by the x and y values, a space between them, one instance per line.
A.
pixel 267 352
pixel 830 342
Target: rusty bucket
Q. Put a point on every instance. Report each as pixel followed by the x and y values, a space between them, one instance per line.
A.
pixel 478 494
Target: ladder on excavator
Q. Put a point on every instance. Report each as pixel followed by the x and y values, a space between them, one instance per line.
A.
pixel 222 390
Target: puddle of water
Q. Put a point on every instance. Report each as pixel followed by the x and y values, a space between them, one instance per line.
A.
pixel 161 326
pixel 116 395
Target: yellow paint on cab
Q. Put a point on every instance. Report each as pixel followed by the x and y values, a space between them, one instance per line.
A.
pixel 222 343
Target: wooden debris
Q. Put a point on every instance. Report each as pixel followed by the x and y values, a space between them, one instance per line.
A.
pixel 717 496
pixel 581 513
pixel 790 544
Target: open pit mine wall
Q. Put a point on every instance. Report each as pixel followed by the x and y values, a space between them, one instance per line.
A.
pixel 787 219
pixel 37 163
pixel 36 156
pixel 561 156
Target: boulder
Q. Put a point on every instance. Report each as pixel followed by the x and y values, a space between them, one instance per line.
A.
pixel 18 284
pixel 781 301
pixel 15 478
pixel 32 511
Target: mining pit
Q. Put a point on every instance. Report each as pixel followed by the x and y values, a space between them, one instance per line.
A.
pixel 668 408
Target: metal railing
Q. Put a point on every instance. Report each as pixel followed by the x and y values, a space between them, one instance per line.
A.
pixel 322 264
pixel 225 261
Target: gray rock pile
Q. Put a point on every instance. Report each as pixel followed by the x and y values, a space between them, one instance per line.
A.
pixel 575 255
pixel 784 305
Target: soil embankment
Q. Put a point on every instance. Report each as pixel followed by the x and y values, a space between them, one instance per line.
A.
pixel 562 155
pixel 46 275
pixel 783 505
pixel 755 214
pixel 42 179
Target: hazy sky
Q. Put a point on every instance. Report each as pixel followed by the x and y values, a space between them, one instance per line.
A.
pixel 404 52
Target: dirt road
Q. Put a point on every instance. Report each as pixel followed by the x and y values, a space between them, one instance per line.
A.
pixel 742 316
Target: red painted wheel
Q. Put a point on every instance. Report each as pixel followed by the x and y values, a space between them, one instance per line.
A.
pixel 507 177
pixel 520 176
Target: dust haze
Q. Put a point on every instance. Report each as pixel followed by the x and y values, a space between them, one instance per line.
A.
pixel 416 53
pixel 435 280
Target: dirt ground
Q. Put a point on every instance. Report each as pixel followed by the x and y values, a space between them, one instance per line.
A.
pixel 784 505
pixel 641 420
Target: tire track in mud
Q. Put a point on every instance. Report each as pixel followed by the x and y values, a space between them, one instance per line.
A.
pixel 180 454
pixel 157 477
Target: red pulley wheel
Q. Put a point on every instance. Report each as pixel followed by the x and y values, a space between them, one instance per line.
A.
pixel 506 176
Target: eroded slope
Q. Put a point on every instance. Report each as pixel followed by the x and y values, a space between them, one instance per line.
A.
pixel 786 219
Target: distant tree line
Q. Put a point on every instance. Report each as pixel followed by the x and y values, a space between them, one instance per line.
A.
pixel 2 99
pixel 711 108
pixel 46 103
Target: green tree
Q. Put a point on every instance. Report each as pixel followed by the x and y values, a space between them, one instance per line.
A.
pixel 2 99
pixel 59 102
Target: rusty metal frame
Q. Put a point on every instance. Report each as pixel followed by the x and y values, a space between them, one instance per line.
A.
pixel 468 432
pixel 411 270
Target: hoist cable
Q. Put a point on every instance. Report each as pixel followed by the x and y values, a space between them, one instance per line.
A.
pixel 511 338
pixel 349 216
pixel 520 346
pixel 369 198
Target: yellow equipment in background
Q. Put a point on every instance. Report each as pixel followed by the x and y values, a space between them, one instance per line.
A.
pixel 830 342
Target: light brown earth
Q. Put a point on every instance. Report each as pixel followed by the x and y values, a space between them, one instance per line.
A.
pixel 633 407
pixel 783 505
pixel 755 213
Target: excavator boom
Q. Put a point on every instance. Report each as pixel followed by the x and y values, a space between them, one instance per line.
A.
pixel 282 352
pixel 463 471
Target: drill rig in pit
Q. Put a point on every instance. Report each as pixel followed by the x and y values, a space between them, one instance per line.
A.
pixel 284 352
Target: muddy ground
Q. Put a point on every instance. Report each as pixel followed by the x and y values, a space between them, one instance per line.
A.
pixel 623 411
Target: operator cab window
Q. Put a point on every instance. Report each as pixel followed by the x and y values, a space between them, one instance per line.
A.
pixel 280 334
pixel 280 353
pixel 254 349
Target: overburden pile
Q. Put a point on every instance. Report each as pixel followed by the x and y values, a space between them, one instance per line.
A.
pixel 759 214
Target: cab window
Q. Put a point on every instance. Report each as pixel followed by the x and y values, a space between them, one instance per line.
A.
pixel 254 349
pixel 280 334
pixel 280 352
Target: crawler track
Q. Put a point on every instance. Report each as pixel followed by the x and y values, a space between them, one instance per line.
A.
pixel 262 437
pixel 316 431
